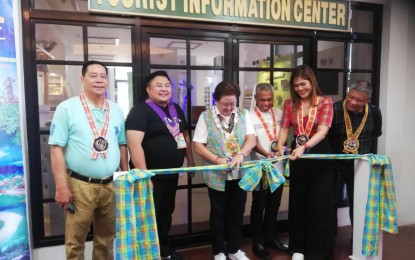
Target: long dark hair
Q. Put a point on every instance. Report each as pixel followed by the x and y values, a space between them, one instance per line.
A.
pixel 304 72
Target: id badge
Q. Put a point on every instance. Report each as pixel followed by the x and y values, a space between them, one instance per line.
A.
pixel 181 143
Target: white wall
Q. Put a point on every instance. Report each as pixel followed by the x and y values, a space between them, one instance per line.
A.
pixel 397 95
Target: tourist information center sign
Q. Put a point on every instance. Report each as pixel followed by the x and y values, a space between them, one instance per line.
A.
pixel 307 14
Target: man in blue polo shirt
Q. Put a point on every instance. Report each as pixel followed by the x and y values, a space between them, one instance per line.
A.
pixel 88 144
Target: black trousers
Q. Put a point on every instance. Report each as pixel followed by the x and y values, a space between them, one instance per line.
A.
pixel 226 212
pixel 311 205
pixel 164 194
pixel 264 212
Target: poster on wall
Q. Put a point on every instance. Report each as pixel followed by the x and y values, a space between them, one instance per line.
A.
pixel 14 239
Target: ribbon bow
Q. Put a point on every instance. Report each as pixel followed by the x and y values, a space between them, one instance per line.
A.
pixel 253 176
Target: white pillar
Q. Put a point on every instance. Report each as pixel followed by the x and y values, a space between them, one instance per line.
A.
pixel 361 187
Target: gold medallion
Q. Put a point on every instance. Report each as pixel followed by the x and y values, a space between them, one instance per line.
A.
pixel 351 145
pixel 232 145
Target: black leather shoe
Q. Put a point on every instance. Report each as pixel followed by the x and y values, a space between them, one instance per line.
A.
pixel 260 251
pixel 173 256
pixel 275 244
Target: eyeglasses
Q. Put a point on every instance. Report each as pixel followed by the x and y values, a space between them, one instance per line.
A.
pixel 228 105
pixel 159 85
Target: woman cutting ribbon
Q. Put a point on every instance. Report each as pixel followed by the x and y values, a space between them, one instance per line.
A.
pixel 224 134
pixel 310 114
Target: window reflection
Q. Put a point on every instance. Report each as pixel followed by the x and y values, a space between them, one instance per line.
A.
pixel 361 55
pixel 167 51
pixel 205 82
pixel 57 83
pixel 200 210
pixel 281 88
pixel 53 219
pixel 207 53
pixel 254 55
pixel 247 82
pixel 271 69
pixel 287 56
pixel 120 87
pixel 109 44
pixel 330 55
pixel 331 83
pixel 59 42
pixel 353 77
pixel 180 216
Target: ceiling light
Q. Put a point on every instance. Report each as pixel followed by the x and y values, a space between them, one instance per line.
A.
pixel 158 51
pixel 104 40
pixel 101 57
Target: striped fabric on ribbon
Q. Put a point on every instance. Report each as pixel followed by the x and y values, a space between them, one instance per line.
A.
pixel 135 200
pixel 136 227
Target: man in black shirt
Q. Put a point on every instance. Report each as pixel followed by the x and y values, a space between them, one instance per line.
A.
pixel 355 128
pixel 157 138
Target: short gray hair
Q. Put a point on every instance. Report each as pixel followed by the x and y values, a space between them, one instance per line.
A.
pixel 263 86
pixel 362 86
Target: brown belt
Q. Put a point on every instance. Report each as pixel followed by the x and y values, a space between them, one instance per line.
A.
pixel 88 179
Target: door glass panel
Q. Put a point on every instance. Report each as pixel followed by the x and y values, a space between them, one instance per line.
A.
pixel 353 77
pixel 247 82
pixel 200 210
pixel 59 42
pixel 53 219
pixel 330 55
pixel 203 85
pixel 254 55
pixel 109 44
pixel 57 83
pixel 207 53
pixel 180 216
pixel 362 21
pixel 281 88
pixel 331 83
pixel 48 182
pixel 167 51
pixel 361 55
pixel 287 56
pixel 120 87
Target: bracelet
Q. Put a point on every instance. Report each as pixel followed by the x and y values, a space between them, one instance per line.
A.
pixel 307 148
pixel 241 153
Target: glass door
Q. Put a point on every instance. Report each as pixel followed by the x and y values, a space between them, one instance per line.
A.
pixel 195 63
pixel 268 61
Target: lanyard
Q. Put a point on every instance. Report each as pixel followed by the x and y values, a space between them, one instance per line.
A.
pixel 100 144
pixel 171 124
pixel 352 143
pixel 311 117
pixel 274 124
